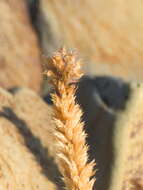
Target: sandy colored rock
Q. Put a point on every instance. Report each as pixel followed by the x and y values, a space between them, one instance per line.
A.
pixel 26 160
pixel 27 147
pixel 19 52
pixel 128 138
pixel 108 34
pixel 18 169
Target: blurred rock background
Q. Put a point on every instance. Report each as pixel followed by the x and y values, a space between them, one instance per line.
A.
pixel 108 34
pixel 19 51
pixel 108 38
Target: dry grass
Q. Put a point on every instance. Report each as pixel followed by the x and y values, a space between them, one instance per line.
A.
pixel 71 147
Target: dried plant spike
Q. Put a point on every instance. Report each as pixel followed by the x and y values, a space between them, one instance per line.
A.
pixel 71 147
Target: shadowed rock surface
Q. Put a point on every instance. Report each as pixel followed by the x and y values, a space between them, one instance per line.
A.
pixel 26 156
pixel 115 130
pixel 127 169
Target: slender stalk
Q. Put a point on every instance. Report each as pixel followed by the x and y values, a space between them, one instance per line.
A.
pixel 71 147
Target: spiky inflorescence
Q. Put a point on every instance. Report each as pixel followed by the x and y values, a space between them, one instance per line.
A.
pixel 71 147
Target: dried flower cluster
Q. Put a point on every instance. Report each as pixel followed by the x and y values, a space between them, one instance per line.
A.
pixel 71 147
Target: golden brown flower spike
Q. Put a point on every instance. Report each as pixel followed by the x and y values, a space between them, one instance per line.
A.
pixel 71 145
